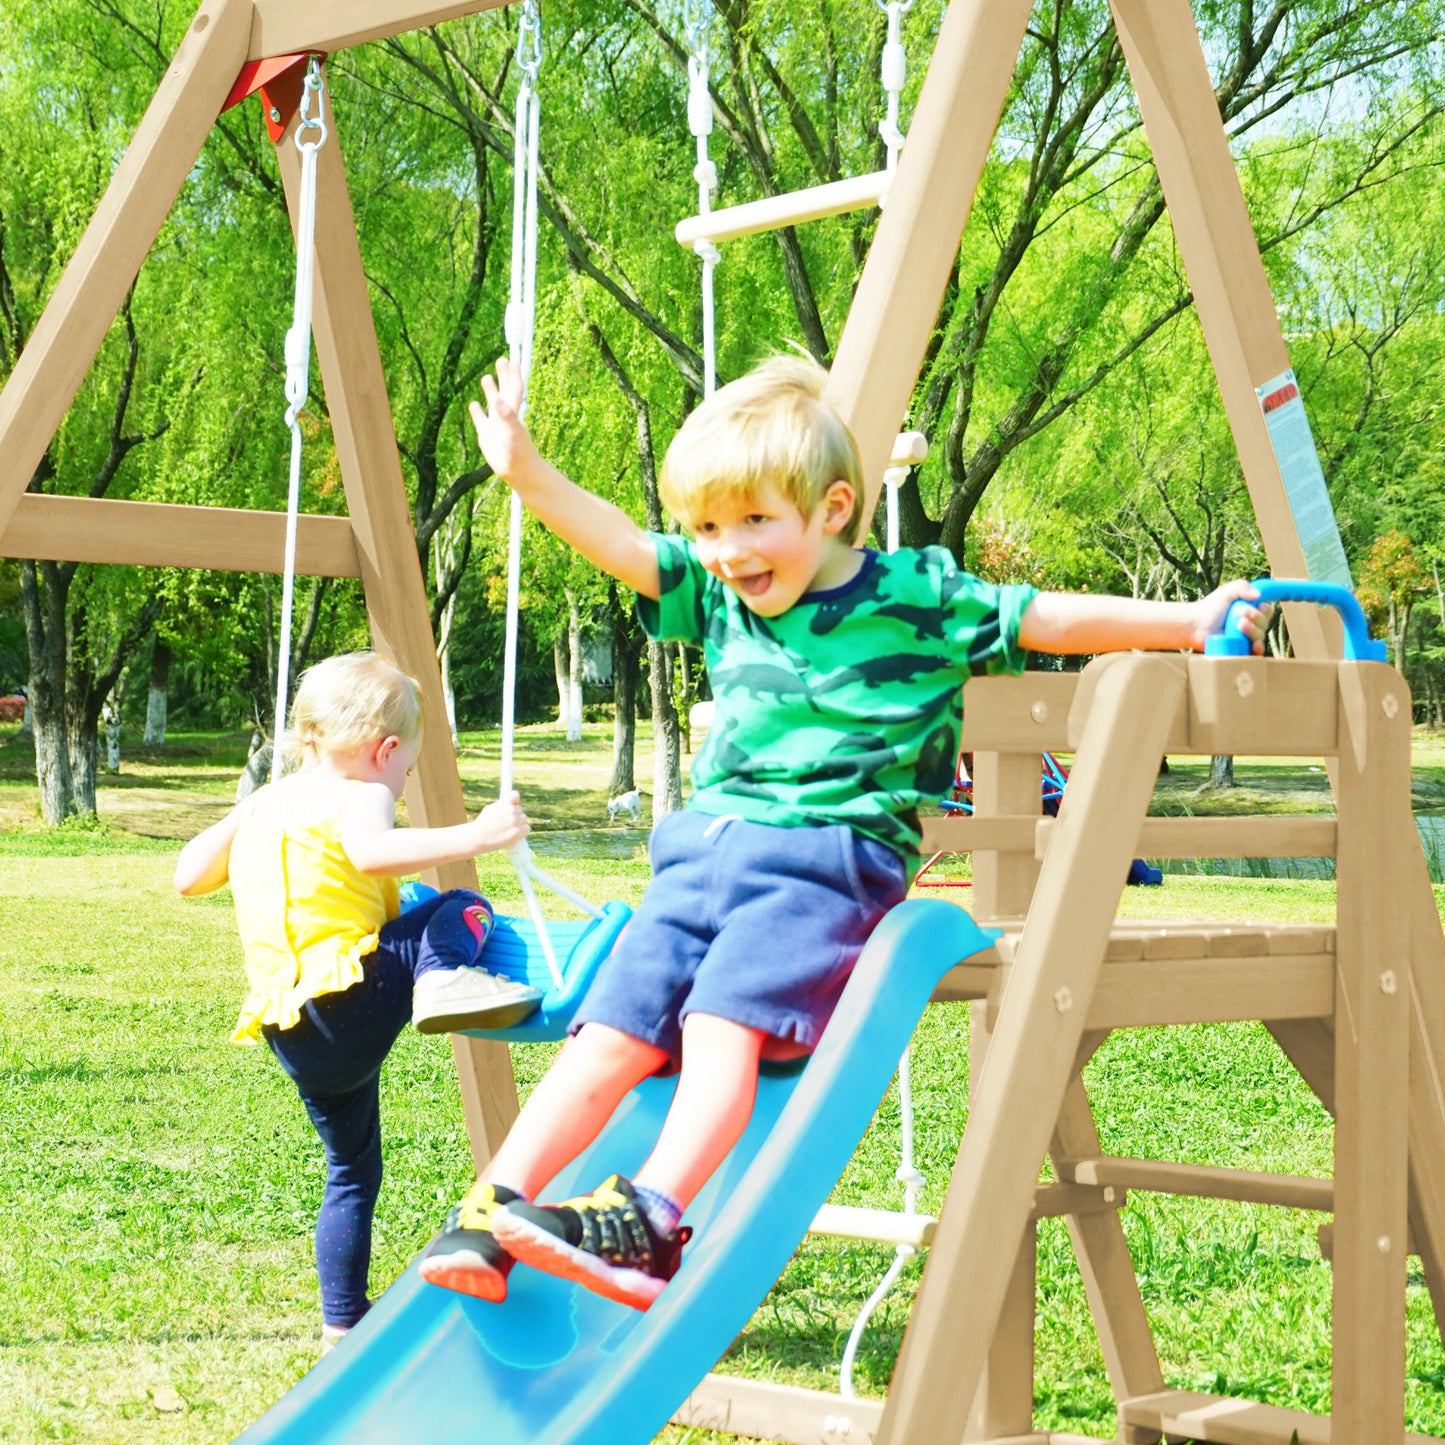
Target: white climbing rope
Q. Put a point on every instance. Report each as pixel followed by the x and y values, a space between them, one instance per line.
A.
pixel 910 449
pixel 310 137
pixel 699 122
pixel 521 320
pixel 893 73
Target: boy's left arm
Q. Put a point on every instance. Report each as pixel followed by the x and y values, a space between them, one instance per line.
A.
pixel 1081 622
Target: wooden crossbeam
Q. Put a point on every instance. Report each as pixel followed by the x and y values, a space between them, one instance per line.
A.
pixel 1199 1181
pixel 162 534
pixel 282 27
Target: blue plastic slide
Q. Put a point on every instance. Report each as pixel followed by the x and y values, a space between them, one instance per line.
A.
pixel 555 1363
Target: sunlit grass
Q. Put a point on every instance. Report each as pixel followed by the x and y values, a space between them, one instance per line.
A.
pixel 157 1184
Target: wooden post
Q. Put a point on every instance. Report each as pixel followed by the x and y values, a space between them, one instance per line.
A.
pixel 1004 1402
pixel 130 215
pixel 1372 1035
pixel 896 304
pixel 396 603
pixel 1031 1057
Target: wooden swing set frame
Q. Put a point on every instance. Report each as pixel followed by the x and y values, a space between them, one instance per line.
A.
pixel 1359 1008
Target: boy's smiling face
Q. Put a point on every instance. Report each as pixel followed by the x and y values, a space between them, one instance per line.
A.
pixel 770 553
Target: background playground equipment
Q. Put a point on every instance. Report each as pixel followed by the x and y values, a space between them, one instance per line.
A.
pixel 1068 973
pixel 1053 779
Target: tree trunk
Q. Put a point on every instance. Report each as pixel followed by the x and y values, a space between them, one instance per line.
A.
pixel 444 659
pixel 574 669
pixel 84 740
pixel 45 637
pixel 158 698
pixel 52 764
pixel 624 707
pixel 667 751
pixel 1221 774
pixel 111 713
pixel 559 671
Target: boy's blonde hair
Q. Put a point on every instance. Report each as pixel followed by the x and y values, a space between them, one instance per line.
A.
pixel 356 698
pixel 770 427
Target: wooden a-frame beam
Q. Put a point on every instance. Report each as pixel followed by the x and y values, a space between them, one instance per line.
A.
pixel 1221 259
pixel 396 601
pixel 93 285
pixel 896 305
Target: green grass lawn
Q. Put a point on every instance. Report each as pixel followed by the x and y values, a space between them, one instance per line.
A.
pixel 158 1185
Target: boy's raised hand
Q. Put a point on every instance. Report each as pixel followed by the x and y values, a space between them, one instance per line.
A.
pixel 505 441
pixel 502 824
pixel 1213 609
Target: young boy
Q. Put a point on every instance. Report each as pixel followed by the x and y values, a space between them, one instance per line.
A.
pixel 836 675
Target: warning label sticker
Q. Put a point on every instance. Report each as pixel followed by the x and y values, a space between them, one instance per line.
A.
pixel 1304 481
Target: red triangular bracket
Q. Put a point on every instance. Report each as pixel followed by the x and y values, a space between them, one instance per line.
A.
pixel 278 81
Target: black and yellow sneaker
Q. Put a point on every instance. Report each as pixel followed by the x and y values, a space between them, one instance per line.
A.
pixel 465 1256
pixel 602 1241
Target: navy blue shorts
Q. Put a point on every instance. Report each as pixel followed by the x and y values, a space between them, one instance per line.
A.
pixel 746 921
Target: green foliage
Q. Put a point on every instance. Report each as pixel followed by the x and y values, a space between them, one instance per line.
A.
pixel 1067 392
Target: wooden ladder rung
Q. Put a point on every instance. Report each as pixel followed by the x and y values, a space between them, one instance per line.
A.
pixel 876 1226
pixel 1200 1181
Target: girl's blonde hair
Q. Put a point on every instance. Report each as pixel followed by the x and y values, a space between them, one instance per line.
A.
pixel 768 428
pixel 356 698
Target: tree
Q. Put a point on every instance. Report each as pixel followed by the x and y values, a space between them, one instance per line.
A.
pixel 1391 582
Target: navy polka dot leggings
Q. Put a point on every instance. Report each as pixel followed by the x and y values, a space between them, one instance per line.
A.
pixel 334 1053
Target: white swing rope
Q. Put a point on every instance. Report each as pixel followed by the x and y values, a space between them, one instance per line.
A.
pixel 910 449
pixel 310 137
pixel 520 328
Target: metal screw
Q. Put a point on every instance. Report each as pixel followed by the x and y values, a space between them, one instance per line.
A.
pixel 1387 981
pixel 1383 1244
pixel 1039 711
pixel 1244 684
pixel 1063 1000
pixel 1390 704
pixel 275 115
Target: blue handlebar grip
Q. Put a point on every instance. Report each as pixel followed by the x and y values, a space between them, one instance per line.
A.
pixel 1229 641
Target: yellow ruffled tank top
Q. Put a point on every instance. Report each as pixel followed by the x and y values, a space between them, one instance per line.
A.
pixel 306 915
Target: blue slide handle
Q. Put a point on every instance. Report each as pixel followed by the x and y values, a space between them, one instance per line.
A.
pixel 1229 641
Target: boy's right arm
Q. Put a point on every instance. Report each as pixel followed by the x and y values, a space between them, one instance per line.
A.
pixel 600 531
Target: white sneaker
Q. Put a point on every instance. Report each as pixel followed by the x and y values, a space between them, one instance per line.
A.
pixel 447 999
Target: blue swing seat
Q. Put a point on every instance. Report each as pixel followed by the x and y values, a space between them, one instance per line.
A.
pixel 514 950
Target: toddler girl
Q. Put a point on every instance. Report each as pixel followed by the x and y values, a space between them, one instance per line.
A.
pixel 333 968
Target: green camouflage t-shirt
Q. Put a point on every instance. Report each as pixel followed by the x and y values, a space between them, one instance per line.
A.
pixel 848 707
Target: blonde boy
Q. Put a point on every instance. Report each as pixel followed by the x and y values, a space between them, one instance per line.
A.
pixel 836 675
